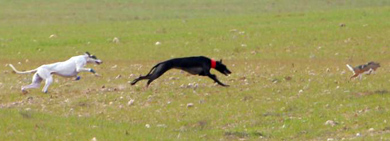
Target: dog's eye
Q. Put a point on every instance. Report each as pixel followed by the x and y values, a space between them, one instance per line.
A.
pixel 93 57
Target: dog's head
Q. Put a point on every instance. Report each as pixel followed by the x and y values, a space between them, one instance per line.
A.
pixel 222 68
pixel 92 58
pixel 373 64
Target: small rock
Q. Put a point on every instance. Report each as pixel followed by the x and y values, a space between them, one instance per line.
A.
pixel 119 76
pixel 161 125
pixel 115 40
pixel 358 134
pixel 94 139
pixel 189 105
pixel 147 126
pixel 158 43
pixel 331 123
pixel 53 36
pixel 30 98
pixel 371 130
pixel 233 30
pixel 131 102
pixel 275 81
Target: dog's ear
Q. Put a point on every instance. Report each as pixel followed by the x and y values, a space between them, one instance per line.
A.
pixel 93 56
pixel 220 61
pixel 87 53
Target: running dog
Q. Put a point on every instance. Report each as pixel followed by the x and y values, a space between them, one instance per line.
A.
pixel 68 68
pixel 368 68
pixel 194 65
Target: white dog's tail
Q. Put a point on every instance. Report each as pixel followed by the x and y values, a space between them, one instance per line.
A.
pixel 350 68
pixel 22 72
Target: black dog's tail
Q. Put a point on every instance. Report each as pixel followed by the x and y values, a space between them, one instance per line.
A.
pixel 153 69
pixel 146 76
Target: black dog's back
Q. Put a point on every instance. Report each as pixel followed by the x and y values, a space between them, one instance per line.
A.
pixel 198 65
pixel 188 62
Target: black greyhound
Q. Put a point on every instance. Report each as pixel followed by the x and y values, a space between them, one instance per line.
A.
pixel 199 65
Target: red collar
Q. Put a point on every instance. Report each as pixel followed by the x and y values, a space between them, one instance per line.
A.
pixel 213 63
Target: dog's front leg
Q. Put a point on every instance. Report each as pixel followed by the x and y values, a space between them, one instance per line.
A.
pixel 369 71
pixel 212 76
pixel 81 69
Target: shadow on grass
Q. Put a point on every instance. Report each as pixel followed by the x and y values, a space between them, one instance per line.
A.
pixel 243 134
pixel 367 93
pixel 26 114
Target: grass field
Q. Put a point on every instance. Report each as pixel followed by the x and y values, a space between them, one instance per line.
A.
pixel 287 57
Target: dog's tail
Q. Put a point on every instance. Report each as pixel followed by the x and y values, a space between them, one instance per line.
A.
pixel 146 76
pixel 350 68
pixel 22 72
pixel 152 70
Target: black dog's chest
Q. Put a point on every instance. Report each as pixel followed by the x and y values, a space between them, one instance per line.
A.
pixel 193 70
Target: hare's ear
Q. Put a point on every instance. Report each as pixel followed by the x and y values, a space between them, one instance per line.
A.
pixel 87 53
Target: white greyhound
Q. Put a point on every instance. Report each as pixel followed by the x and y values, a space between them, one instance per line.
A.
pixel 68 68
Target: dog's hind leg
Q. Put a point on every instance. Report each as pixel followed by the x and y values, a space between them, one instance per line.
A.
pixel 160 70
pixel 353 76
pixel 36 82
pixel 155 73
pixel 138 79
pixel 47 76
pixel 49 80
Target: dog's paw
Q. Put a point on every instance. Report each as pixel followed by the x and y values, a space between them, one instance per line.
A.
pixel 93 71
pixel 78 78
pixel 24 92
pixel 133 82
pixel 97 75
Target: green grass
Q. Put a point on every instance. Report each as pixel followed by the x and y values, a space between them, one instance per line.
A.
pixel 264 43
